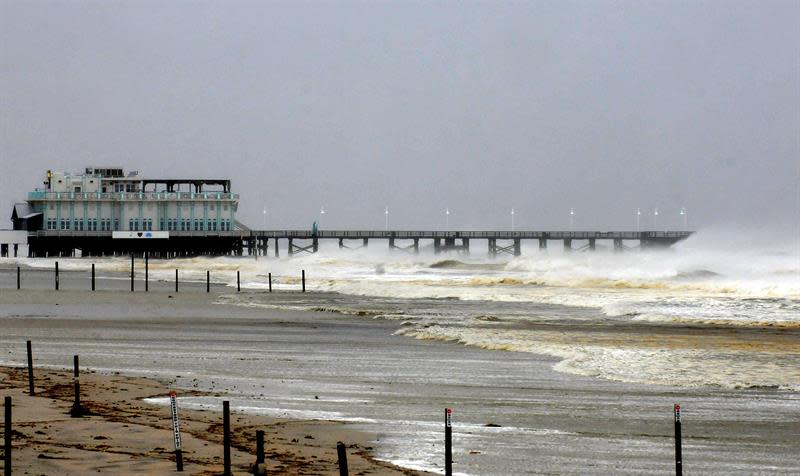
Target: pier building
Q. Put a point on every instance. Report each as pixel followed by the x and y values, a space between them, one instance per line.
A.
pixel 106 210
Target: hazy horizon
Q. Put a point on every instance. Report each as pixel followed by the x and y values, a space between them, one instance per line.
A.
pixel 604 107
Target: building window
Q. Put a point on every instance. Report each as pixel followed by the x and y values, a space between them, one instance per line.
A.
pixel 67 224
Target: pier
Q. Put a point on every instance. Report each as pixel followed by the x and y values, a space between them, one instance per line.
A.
pixel 256 243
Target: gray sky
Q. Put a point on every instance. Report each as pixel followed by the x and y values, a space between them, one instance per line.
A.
pixel 479 107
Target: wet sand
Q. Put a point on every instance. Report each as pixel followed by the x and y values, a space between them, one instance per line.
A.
pixel 124 435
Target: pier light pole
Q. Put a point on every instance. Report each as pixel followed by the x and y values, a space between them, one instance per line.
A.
pixel 512 219
pixel 447 218
pixel 638 219
pixel 571 218
pixel 265 217
pixel 386 214
pixel 655 219
pixel 685 216
pixel 321 215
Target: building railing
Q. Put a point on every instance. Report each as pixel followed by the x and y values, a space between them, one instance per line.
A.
pixel 126 196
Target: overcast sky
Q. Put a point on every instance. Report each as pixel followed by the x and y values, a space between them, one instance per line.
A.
pixel 476 107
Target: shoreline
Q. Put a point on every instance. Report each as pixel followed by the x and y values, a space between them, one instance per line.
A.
pixel 126 435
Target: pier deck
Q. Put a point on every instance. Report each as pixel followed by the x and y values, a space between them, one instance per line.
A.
pixel 258 242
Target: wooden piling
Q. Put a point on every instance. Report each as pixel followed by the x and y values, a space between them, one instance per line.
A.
pixel 208 281
pixel 259 447
pixel 303 279
pixel 238 283
pixel 342 452
pixel 226 438
pixel 448 447
pixel 678 450
pixel 18 277
pixel 176 280
pixel 30 369
pixel 76 411
pixel 7 440
pixel 92 276
pixel 132 272
pixel 56 275
pixel 270 282
pixel 146 272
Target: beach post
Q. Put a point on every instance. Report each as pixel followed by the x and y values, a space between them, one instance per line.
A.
pixel 448 445
pixel 7 439
pixel 30 369
pixel 226 437
pixel 678 455
pixel 259 449
pixel 270 282
pixel 176 280
pixel 92 276
pixel 76 411
pixel 238 285
pixel 342 452
pixel 132 272
pixel 146 272
pixel 208 281
pixel 18 280
pixel 176 430
pixel 303 278
pixel 56 275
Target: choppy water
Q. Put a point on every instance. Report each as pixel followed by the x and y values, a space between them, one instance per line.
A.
pixel 697 283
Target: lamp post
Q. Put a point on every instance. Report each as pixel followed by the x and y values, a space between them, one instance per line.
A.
pixel 512 219
pixel 264 212
pixel 571 218
pixel 447 218
pixel 386 214
pixel 321 215
pixel 638 219
pixel 655 219
pixel 685 216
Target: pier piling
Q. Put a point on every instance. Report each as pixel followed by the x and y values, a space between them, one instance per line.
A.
pixel 56 275
pixel 92 276
pixel 146 272
pixel 208 281
pixel 176 280
pixel 30 369
pixel 270 282
pixel 132 272
pixel 303 279
pixel 7 439
pixel 18 277
pixel 238 284
pixel 342 453
pixel 226 437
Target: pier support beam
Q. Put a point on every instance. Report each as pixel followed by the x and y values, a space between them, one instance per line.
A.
pixel 567 245
pixel 618 244
pixel 276 248
pixel 542 243
pixel 592 244
pixel 517 247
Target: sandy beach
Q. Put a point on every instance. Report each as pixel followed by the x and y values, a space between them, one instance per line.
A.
pixel 124 435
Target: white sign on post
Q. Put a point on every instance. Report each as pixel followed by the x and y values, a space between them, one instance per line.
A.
pixel 176 429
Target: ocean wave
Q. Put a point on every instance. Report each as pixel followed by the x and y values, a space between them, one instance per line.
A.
pixel 625 362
